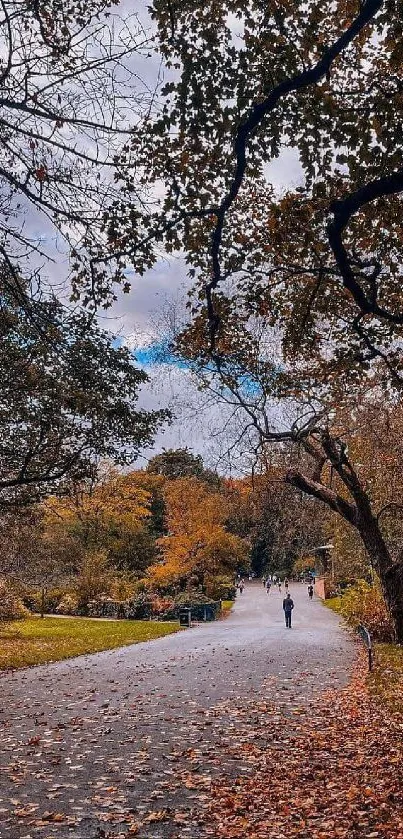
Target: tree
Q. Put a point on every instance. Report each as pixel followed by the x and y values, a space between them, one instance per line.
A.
pixel 243 81
pixel 176 463
pixel 315 271
pixel 69 92
pixel 68 399
pixel 198 547
pixel 277 520
pixel 181 463
pixel 108 516
pixel 34 557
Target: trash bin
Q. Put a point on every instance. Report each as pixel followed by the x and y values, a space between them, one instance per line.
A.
pixel 185 617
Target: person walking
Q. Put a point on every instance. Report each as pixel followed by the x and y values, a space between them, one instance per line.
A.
pixel 310 592
pixel 268 586
pixel 264 581
pixel 288 605
pixel 279 586
pixel 286 584
pixel 241 587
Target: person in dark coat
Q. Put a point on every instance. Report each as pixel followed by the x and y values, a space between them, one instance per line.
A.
pixel 288 605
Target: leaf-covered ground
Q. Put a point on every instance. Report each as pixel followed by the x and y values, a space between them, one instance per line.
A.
pixel 334 772
pixel 38 641
pixel 237 729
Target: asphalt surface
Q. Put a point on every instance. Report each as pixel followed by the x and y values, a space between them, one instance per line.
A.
pixel 93 747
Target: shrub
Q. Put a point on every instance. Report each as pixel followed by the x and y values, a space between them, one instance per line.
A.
pixel 220 588
pixel 69 605
pixel 137 608
pixel 11 607
pixel 53 597
pixel 161 604
pixel 141 607
pixel 362 603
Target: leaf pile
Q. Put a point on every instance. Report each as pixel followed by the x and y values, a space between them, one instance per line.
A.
pixel 336 772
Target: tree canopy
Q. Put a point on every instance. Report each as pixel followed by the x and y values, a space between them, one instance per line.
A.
pixel 182 463
pixel 297 289
pixel 320 261
pixel 68 399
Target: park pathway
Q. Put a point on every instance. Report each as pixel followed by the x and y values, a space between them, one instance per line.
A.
pixel 128 742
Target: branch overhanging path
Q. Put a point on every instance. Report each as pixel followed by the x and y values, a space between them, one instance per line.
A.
pixel 248 127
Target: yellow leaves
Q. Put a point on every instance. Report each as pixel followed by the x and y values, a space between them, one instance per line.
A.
pixel 115 496
pixel 197 541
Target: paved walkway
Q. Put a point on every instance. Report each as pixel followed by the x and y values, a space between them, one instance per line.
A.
pixel 93 747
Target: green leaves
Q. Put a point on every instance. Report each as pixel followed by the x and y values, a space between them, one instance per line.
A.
pixel 68 398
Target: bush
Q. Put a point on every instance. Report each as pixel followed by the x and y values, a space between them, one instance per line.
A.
pixel 362 603
pixel 53 597
pixel 11 607
pixel 221 588
pixel 137 608
pixel 69 605
pixel 161 604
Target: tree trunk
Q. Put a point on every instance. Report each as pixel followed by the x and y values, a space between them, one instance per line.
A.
pixel 361 516
pixel 390 574
pixel 42 602
pixel 394 596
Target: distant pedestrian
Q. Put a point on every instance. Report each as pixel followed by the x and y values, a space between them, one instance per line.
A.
pixel 241 586
pixel 279 586
pixel 268 586
pixel 286 584
pixel 310 592
pixel 264 581
pixel 288 605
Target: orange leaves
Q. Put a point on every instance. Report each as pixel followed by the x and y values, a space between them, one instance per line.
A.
pixel 197 542
pixel 343 784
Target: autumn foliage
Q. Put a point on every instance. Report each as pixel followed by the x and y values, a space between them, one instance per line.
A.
pixel 363 604
pixel 334 774
pixel 197 547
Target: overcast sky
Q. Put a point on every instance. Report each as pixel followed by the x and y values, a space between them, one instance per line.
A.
pixel 136 317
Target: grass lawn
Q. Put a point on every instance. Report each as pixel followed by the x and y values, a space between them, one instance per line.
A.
pixel 38 641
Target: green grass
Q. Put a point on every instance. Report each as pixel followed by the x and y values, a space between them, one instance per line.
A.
pixel 38 641
pixel 386 679
pixel 333 603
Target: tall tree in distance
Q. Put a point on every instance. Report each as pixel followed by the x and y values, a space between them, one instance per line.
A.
pixel 182 463
pixel 198 547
